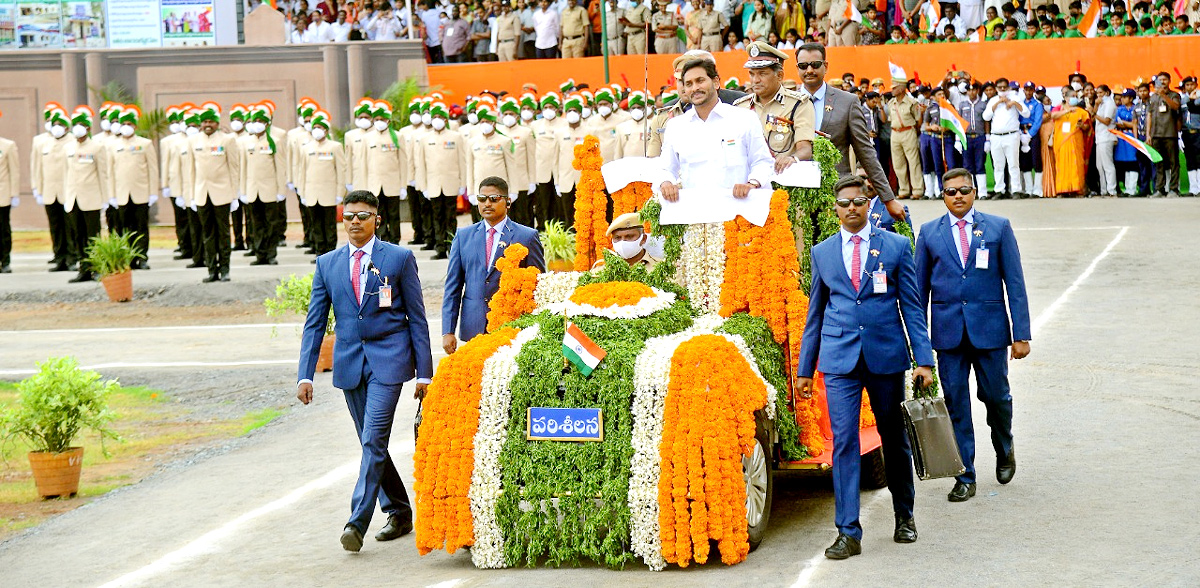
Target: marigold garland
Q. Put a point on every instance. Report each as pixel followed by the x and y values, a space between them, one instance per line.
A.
pixel 708 424
pixel 632 198
pixel 606 294
pixel 517 284
pixel 591 205
pixel 761 267
pixel 445 454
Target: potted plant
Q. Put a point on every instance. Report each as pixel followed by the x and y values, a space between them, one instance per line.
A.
pixel 292 295
pixel 53 406
pixel 558 244
pixel 112 257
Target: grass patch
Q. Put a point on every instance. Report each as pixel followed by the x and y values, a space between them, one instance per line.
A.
pixel 259 418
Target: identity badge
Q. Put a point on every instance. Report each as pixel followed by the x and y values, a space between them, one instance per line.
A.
pixel 385 296
pixel 879 280
pixel 981 257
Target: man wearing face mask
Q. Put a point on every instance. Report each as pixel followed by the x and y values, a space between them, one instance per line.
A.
pixel 355 143
pixel 631 134
pixel 187 174
pixel 1004 112
pixel 486 149
pixel 629 242
pixel 521 157
pixel 566 138
pixel 296 138
pixel 441 174
pixel 264 183
pixel 173 148
pixel 241 228
pixel 135 181
pixel 215 162
pixel 418 206
pixel 85 185
pixel 635 18
pixel 107 119
pixel 508 32
pixel 545 136
pixel 1031 144
pixel 384 170
pixel 46 179
pixel 604 123
pixel 323 182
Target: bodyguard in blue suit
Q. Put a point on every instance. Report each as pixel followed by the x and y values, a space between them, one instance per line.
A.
pixel 863 283
pixel 382 342
pixel 472 278
pixel 967 261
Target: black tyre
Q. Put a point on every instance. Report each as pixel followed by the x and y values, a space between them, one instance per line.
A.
pixel 758 471
pixel 874 471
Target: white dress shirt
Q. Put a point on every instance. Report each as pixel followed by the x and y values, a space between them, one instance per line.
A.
pixel 970 218
pixel 726 149
pixel 338 33
pixel 1108 109
pixel 495 239
pixel 960 29
pixel 848 250
pixel 545 27
pixel 1005 119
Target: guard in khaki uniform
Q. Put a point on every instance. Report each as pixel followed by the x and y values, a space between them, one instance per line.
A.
pixel 545 130
pixel 664 24
pixel 322 173
pixel 355 143
pixel 10 192
pixel 635 18
pixel 215 175
pixel 106 118
pixel 712 28
pixel 384 175
pixel 264 183
pixel 85 185
pixel 631 134
pixel 603 124
pixel 508 32
pixel 786 115
pixel 521 160
pixel 629 242
pixel 241 225
pixel 135 181
pixel 441 175
pixel 486 151
pixel 171 178
pixel 614 30
pixel 566 138
pixel 46 178
pixel 187 173
pixel 658 123
pixel 418 207
pixel 904 114
pixel 296 139
pixel 575 28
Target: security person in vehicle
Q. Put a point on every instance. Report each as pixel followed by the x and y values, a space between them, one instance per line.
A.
pixel 786 115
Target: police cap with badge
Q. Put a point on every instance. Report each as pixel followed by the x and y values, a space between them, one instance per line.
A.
pixel 764 55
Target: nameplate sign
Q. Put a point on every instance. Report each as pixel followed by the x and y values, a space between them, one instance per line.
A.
pixel 564 424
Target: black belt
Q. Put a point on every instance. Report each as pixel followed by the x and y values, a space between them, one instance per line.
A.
pixel 506 40
pixel 573 38
pixel 716 34
pixel 972 135
pixel 1002 134
pixel 637 32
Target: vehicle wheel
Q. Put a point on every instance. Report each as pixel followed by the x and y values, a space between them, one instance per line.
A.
pixel 874 471
pixel 758 470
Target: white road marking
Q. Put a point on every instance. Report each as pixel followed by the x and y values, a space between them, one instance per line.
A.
pixel 447 583
pixel 135 329
pixel 810 567
pixel 1109 228
pixel 207 542
pixel 164 364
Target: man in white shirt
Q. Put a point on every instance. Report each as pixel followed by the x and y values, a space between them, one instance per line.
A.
pixel 431 23
pixel 338 32
pixel 713 144
pixel 1104 112
pixel 1004 111
pixel 318 29
pixel 952 18
pixel 546 30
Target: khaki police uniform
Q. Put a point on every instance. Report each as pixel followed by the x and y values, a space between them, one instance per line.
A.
pixel 904 115
pixel 135 178
pixel 711 24
pixel 441 174
pixel 355 143
pixel 418 206
pixel 605 130
pixel 215 174
pixel 631 138
pixel 616 36
pixel 85 191
pixel 508 34
pixel 786 119
pixel 323 182
pixel 544 170
pixel 664 44
pixel 658 127
pixel 10 187
pixel 635 32
pixel 575 27
pixel 264 184
pixel 566 138
pixel 837 15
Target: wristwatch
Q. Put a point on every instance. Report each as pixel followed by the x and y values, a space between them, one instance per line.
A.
pixel 754 183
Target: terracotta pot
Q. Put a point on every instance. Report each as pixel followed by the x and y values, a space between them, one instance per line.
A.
pixel 325 359
pixel 119 286
pixel 560 265
pixel 56 474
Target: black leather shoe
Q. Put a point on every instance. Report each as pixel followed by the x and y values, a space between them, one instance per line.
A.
pixel 260 262
pixel 906 530
pixel 961 492
pixel 180 256
pixel 417 242
pixel 844 547
pixel 250 254
pixel 429 247
pixel 224 276
pixel 210 278
pixel 351 538
pixel 441 255
pixel 1006 467
pixel 238 247
pixel 59 267
pixel 82 277
pixel 394 529
pixel 6 270
pixel 195 264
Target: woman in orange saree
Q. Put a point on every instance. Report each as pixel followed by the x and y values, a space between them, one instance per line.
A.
pixel 1070 162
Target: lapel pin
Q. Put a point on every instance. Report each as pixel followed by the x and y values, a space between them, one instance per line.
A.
pixel 978 233
pixel 875 252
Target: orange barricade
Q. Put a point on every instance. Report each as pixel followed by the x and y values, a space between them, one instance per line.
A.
pixel 1047 62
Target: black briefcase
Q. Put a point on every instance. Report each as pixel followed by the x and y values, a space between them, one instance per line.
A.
pixel 417 420
pixel 934 448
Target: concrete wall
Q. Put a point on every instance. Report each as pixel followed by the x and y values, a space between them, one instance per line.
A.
pixel 336 75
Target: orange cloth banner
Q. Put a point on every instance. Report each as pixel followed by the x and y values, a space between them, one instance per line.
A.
pixel 1048 62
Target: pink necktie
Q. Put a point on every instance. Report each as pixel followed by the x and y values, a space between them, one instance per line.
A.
pixel 962 240
pixel 856 263
pixel 487 255
pixel 354 279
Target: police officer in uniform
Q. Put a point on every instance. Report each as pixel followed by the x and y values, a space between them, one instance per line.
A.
pixel 85 185
pixel 354 141
pixel 135 181
pixel 635 18
pixel 241 224
pixel 508 32
pixel 322 180
pixel 566 138
pixel 47 180
pixel 575 27
pixel 712 28
pixel 264 183
pixel 170 178
pixel 297 138
pixel 664 24
pixel 486 152
pixel 904 114
pixel 787 115
pixel 441 176
pixel 629 241
pixel 603 124
pixel 216 175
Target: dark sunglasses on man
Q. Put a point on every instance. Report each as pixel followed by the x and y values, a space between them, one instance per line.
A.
pixel 803 65
pixel 481 198
pixel 362 215
pixel 846 202
pixel 965 191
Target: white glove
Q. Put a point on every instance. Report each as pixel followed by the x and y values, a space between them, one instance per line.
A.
pixel 412 184
pixel 349 188
pixel 339 200
pixel 244 198
pixel 426 195
pixel 987 145
pixel 1025 138
pixel 38 198
pixel 303 201
pixel 1024 148
pixel 16 201
pixel 532 187
pixel 291 186
pixel 195 208
pixel 462 190
pixel 167 193
pixel 179 201
pixel 233 206
pixel 513 197
pixel 153 199
pixel 280 197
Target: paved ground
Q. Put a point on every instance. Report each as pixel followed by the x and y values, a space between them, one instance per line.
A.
pixel 1106 429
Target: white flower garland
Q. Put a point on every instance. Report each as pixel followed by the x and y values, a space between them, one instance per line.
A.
pixel 645 307
pixel 702 263
pixel 495 397
pixel 554 287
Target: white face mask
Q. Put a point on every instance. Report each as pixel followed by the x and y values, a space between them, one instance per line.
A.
pixel 237 125
pixel 637 113
pixel 572 117
pixel 308 126
pixel 175 128
pixel 362 123
pixel 473 118
pixel 381 125
pixel 193 131
pixel 301 121
pixel 79 131
pixel 585 112
pixel 508 120
pixel 58 131
pixel 627 249
pixel 604 110
pixel 126 130
pixel 1078 87
pixel 438 123
pixel 318 133
pixel 487 127
pixel 962 87
pixel 549 114
pixel 48 125
pixel 105 125
pixel 427 118
pixel 526 115
pixel 414 118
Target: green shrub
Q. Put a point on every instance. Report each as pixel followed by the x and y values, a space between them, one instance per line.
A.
pixel 56 403
pixel 111 254
pixel 558 242
pixel 292 295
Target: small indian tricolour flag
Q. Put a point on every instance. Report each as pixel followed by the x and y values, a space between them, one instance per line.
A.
pixel 952 121
pixel 1142 148
pixel 1088 24
pixel 582 351
pixel 978 35
pixel 852 14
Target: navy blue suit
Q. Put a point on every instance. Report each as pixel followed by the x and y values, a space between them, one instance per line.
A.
pixel 881 218
pixel 471 281
pixel 971 324
pixel 376 351
pixel 860 340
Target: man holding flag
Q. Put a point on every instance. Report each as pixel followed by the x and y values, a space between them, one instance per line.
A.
pixel 970 108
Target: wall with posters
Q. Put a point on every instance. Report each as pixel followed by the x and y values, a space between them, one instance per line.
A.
pixel 69 24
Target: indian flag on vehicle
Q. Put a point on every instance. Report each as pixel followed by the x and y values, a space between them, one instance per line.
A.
pixel 1087 24
pixel 952 121
pixel 1142 148
pixel 582 351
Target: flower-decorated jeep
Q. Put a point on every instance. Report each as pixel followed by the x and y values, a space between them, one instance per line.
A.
pixel 623 413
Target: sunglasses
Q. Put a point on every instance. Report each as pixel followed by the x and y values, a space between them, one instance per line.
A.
pixel 965 191
pixel 803 65
pixel 846 202
pixel 493 198
pixel 362 216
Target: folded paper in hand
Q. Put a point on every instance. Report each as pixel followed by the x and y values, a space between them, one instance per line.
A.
pixel 622 172
pixel 716 205
pixel 802 174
